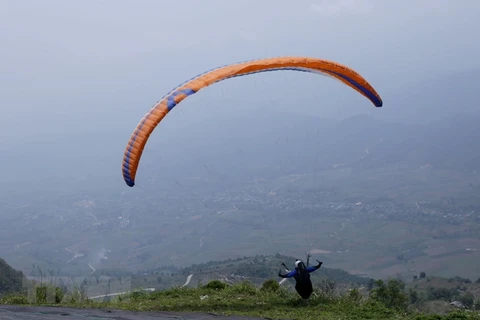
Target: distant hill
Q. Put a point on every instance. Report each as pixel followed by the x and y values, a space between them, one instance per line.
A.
pixel 426 293
pixel 11 280
pixel 256 269
pixel 293 143
pixel 264 143
pixel 448 144
pixel 237 141
pixel 442 96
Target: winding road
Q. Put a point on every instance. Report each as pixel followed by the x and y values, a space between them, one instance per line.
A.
pixel 189 278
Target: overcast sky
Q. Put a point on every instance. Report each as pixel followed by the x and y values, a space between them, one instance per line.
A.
pixel 93 65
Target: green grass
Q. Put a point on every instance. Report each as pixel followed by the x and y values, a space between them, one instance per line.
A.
pixel 244 298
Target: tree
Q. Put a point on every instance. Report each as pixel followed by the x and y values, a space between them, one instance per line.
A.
pixel 467 299
pixel 370 284
pixel 441 293
pixel 422 275
pixel 270 285
pixel 390 294
pixel 215 285
pixel 11 280
pixel 413 294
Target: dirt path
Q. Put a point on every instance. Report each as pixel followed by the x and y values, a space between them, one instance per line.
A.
pixel 54 313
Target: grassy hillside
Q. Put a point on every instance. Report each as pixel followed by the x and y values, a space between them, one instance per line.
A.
pixel 384 301
pixel 254 269
pixel 11 280
pixel 250 286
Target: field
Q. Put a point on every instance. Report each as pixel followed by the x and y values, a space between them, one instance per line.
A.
pixel 377 233
pixel 375 205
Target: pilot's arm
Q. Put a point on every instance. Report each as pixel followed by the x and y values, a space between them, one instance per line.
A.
pixel 288 275
pixel 313 268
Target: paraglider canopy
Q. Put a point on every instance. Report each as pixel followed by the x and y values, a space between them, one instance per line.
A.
pixel 139 138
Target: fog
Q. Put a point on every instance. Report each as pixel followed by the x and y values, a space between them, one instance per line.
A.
pixel 77 76
pixel 97 66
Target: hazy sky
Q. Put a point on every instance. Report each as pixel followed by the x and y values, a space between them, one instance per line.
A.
pixel 92 65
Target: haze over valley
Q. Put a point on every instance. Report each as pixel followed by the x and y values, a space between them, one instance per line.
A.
pixel 250 170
